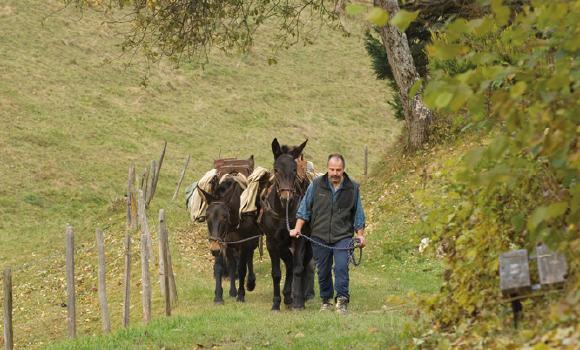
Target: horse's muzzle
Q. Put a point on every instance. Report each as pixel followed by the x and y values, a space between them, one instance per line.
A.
pixel 215 248
pixel 286 195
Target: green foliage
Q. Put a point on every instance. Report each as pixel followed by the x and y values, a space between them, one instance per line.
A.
pixel 519 71
pixel 191 29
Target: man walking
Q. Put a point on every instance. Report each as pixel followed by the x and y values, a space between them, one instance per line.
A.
pixel 332 205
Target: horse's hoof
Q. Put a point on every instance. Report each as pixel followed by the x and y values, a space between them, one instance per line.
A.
pixel 276 308
pixel 251 285
pixel 241 299
pixel 218 302
pixel 298 308
pixel 233 293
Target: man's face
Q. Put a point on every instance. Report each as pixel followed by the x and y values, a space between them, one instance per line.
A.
pixel 335 170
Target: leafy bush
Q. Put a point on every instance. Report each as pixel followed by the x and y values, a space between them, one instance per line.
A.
pixel 519 71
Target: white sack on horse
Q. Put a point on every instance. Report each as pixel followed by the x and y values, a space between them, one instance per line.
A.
pixel 248 197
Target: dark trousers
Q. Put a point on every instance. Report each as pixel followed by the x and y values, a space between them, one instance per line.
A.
pixel 325 258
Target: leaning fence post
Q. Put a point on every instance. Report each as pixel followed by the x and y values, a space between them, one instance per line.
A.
pixel 366 160
pixel 150 189
pixel 163 262
pixel 70 282
pixel 158 170
pixel 8 333
pixel 102 282
pixel 127 280
pixel 181 177
pixel 146 282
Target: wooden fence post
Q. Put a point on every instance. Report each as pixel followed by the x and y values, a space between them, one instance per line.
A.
pixel 145 280
pixel 145 182
pixel 131 200
pixel 8 333
pixel 181 177
pixel 366 160
pixel 127 299
pixel 144 224
pixel 70 279
pixel 158 170
pixel 150 189
pixel 163 265
pixel 172 286
pixel 102 282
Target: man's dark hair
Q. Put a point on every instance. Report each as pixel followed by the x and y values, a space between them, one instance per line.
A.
pixel 337 156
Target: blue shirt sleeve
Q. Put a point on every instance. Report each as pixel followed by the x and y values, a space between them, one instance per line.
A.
pixel 305 209
pixel 359 215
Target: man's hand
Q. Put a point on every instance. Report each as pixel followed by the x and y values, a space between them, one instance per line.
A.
pixel 361 241
pixel 295 232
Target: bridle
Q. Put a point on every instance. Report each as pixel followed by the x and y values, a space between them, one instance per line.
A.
pixel 224 242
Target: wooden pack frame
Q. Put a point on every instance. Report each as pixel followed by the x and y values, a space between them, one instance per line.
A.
pixel 233 165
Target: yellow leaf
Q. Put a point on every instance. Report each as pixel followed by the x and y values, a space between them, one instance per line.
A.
pixel 403 19
pixel 378 16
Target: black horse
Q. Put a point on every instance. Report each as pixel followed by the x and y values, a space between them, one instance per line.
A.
pixel 279 204
pixel 225 225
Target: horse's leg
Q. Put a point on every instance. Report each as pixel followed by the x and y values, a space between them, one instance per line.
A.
pixel 287 258
pixel 298 272
pixel 251 284
pixel 218 273
pixel 242 268
pixel 276 275
pixel 232 264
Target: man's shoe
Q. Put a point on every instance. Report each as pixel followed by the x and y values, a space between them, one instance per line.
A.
pixel 326 305
pixel 341 305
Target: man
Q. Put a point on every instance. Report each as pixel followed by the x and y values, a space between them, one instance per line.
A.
pixel 332 205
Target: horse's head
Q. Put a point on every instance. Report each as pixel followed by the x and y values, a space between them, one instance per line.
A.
pixel 219 216
pixel 285 168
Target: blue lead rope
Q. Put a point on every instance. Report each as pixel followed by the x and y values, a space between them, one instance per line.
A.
pixel 354 243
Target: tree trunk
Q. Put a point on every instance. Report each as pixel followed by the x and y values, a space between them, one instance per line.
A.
pixel 417 116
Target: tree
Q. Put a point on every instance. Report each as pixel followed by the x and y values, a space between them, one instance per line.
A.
pixel 417 116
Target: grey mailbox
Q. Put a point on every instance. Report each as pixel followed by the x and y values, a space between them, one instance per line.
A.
pixel 552 267
pixel 514 272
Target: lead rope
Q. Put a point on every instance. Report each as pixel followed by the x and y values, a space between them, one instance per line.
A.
pixel 354 243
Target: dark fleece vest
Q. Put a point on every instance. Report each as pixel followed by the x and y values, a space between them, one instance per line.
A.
pixel 331 220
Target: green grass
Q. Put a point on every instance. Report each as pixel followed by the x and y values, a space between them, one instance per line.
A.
pixel 75 115
pixel 252 324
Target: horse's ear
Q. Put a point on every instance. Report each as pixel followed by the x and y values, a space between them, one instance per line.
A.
pixel 251 160
pixel 297 151
pixel 276 150
pixel 208 197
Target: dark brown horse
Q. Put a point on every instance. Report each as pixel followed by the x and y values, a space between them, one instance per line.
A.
pixel 281 203
pixel 226 227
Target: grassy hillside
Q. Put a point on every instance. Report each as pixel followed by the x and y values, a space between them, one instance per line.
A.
pixel 75 115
